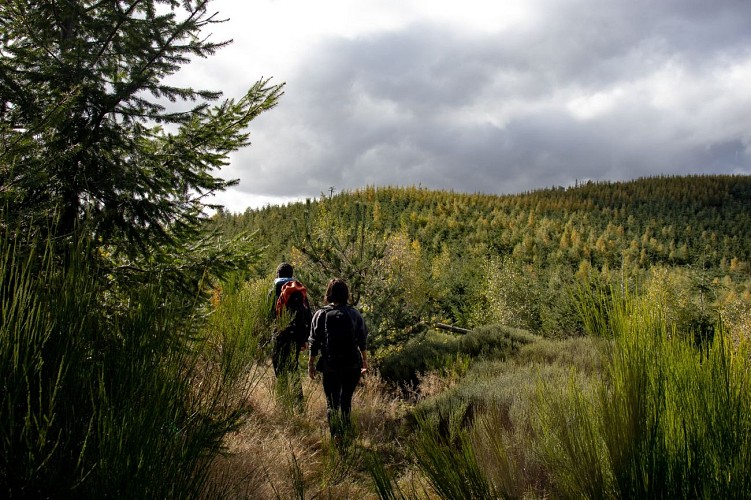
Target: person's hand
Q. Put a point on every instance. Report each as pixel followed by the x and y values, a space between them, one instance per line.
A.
pixel 311 369
pixel 364 367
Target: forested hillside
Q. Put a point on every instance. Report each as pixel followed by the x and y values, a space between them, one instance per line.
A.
pixel 598 316
pixel 696 220
pixel 517 259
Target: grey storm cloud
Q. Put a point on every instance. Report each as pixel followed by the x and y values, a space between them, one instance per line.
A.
pixel 586 90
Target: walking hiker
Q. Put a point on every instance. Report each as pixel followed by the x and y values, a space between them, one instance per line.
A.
pixel 339 334
pixel 291 311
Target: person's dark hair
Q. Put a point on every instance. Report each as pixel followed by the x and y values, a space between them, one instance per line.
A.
pixel 337 292
pixel 285 270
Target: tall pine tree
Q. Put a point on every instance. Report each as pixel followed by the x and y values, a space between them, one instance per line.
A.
pixel 90 132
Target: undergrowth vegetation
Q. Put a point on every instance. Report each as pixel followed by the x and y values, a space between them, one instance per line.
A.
pixel 669 419
pixel 635 409
pixel 645 413
pixel 102 403
pixel 435 351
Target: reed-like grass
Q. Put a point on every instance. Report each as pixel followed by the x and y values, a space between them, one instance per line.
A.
pixel 449 461
pixel 669 419
pixel 495 403
pixel 637 410
pixel 234 346
pixel 105 402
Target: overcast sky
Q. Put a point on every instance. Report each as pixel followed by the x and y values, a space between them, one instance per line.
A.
pixel 483 96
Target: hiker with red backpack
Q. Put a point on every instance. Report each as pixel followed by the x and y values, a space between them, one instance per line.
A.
pixel 291 310
pixel 339 334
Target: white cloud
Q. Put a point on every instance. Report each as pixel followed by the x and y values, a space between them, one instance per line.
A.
pixel 484 96
pixel 236 201
pixel 588 107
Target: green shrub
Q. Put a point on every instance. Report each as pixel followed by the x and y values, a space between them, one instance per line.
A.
pixel 419 355
pixel 584 354
pixel 436 350
pixel 494 341
pixel 497 402
pixel 508 388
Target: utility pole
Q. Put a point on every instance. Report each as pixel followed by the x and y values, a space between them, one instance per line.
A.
pixel 331 191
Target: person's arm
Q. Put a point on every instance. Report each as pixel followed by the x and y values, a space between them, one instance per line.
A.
pixel 364 367
pixel 308 325
pixel 314 343
pixel 361 334
pixel 312 366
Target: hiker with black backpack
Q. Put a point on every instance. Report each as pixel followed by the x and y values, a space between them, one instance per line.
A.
pixel 339 334
pixel 291 311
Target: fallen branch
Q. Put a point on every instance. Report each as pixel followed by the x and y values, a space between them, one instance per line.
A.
pixel 451 328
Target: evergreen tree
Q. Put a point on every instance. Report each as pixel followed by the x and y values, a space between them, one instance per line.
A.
pixel 105 168
pixel 91 132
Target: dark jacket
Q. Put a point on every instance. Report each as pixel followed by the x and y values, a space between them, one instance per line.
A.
pixel 317 339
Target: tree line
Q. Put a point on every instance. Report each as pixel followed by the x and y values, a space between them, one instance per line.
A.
pixel 466 259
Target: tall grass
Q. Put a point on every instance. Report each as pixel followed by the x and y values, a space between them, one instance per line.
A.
pixel 102 402
pixel 449 461
pixel 669 419
pixel 235 345
pixel 637 410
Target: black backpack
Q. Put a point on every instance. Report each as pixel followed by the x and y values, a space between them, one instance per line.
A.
pixel 340 349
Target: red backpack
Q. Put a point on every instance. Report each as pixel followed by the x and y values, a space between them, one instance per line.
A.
pixel 294 298
pixel 287 291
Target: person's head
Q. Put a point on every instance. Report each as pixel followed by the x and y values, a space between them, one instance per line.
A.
pixel 284 270
pixel 337 292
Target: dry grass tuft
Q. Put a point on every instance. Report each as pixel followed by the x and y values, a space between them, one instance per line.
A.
pixel 377 411
pixel 284 453
pixel 433 383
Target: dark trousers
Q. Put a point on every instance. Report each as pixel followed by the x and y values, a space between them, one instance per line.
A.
pixel 339 387
pixel 285 358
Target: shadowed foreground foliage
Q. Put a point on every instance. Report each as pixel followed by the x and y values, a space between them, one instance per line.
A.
pixel 99 403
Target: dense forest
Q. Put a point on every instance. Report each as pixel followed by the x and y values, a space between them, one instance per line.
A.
pixel 693 220
pixel 470 259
